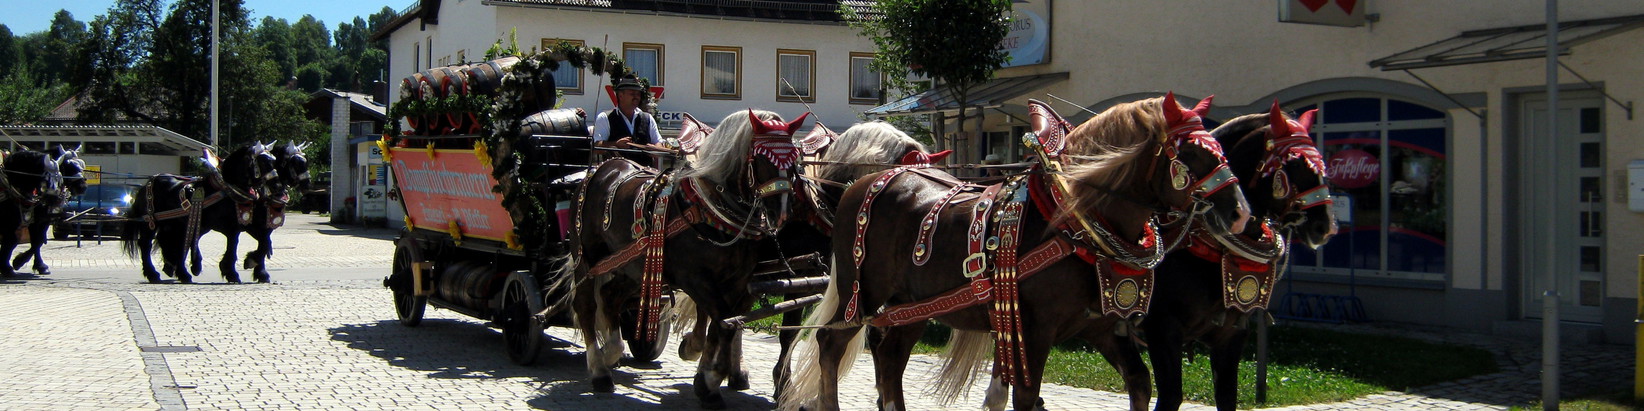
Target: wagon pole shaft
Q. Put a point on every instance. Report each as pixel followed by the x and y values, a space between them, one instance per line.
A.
pixel 766 312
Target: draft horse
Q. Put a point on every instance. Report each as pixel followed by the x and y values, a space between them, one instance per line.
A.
pixel 32 179
pixel 267 211
pixel 738 193
pixel 896 268
pixel 1212 288
pixel 50 207
pixel 177 210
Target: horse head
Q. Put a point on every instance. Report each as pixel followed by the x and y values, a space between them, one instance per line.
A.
pixel 773 178
pixel 868 147
pixel 292 165
pixel 1288 184
pixel 1199 180
pixel 72 169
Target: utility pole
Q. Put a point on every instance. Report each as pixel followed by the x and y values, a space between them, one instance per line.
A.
pixel 1549 314
pixel 216 92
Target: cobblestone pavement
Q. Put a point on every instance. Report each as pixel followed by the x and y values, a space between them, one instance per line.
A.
pixel 91 344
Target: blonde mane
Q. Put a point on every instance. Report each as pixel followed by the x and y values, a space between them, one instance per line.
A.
pixel 1106 152
pixel 724 152
pixel 875 142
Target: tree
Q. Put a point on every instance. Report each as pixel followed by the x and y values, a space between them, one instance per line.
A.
pixel 311 41
pixel 954 42
pixel 274 36
pixel 106 66
pixel 9 53
pixel 22 101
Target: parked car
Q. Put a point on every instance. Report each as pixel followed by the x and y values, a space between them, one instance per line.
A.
pixel 97 212
pixel 317 198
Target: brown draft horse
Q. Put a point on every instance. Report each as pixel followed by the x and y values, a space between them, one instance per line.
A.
pixel 736 195
pixel 1285 187
pixel 1117 153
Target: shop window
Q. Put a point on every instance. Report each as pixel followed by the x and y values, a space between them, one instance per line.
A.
pixel 128 147
pixel 98 147
pixel 1389 157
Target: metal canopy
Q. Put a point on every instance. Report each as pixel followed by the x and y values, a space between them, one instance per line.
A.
pixel 135 133
pixel 989 94
pixel 1508 43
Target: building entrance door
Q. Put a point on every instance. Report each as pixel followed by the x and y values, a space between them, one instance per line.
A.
pixel 1563 196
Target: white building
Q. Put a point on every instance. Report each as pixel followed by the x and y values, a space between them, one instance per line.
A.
pixel 1469 204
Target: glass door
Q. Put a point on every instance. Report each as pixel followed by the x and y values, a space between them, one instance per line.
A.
pixel 1564 203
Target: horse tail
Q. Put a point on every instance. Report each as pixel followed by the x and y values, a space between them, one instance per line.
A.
pixel 806 384
pixel 562 277
pixel 685 318
pixel 966 354
pixel 132 225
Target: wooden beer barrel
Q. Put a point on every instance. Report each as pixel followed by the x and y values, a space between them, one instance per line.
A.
pixel 563 122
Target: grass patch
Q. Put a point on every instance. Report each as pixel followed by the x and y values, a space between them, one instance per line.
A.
pixel 1621 400
pixel 1308 366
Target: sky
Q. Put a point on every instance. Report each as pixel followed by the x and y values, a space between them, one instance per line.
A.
pixel 28 16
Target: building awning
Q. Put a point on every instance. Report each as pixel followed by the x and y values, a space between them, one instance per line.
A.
pixel 989 94
pixel 151 136
pixel 1507 43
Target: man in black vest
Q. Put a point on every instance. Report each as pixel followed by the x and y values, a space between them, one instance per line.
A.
pixel 626 126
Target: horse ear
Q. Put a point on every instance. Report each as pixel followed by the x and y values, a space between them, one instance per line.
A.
pixel 937 157
pixel 759 127
pixel 1203 108
pixel 798 123
pixel 1172 111
pixel 1306 120
pixel 1277 125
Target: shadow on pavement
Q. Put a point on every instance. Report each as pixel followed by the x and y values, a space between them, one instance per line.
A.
pixel 355 231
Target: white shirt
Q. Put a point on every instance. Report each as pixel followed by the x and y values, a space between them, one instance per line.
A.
pixel 602 126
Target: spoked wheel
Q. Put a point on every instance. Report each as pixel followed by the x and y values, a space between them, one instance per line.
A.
pixel 520 328
pixel 407 304
pixel 646 351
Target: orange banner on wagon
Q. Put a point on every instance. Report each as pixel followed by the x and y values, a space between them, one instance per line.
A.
pixel 451 185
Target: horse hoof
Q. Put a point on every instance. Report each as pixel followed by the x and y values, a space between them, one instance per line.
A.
pixel 232 279
pixel 17 263
pixel 738 382
pixel 153 277
pixel 261 278
pixel 42 270
pixel 604 384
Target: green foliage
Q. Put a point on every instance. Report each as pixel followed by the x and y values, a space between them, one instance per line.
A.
pixel 1308 366
pixel 21 101
pixel 955 42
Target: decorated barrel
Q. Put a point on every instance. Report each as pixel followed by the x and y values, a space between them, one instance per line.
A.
pixel 562 121
pixel 486 78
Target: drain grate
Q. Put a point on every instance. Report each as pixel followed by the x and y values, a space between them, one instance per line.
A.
pixel 170 348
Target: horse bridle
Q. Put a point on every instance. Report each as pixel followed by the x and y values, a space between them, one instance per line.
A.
pixel 1198 190
pixel 1296 146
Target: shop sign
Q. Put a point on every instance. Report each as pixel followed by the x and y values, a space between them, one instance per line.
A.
pixel 1354 168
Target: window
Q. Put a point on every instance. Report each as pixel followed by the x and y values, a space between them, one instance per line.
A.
pixel 428 51
pixel 462 56
pixel 865 83
pixel 98 147
pixel 566 78
pixel 794 80
pixel 128 147
pixel 645 59
pixel 416 57
pixel 1389 158
pixel 721 72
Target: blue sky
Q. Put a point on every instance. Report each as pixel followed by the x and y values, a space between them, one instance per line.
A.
pixel 28 16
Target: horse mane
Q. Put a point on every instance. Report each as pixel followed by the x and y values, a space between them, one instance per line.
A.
pixel 724 152
pixel 1234 135
pixel 874 142
pixel 25 165
pixel 1105 150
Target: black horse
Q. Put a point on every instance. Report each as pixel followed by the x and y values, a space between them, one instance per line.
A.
pixel 1209 291
pixel 50 206
pixel 176 211
pixel 268 213
pixel 31 177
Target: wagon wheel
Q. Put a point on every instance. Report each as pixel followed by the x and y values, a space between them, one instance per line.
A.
pixel 646 351
pixel 407 304
pixel 520 329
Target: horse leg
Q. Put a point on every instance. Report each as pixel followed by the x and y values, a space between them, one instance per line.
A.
pixel 8 243
pixel 1224 367
pixel 738 377
pixel 257 260
pixel 585 310
pixel 691 345
pixel 1037 348
pixel 37 244
pixel 713 367
pixel 174 252
pixel 145 246
pixel 891 348
pixel 227 263
pixel 1164 345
